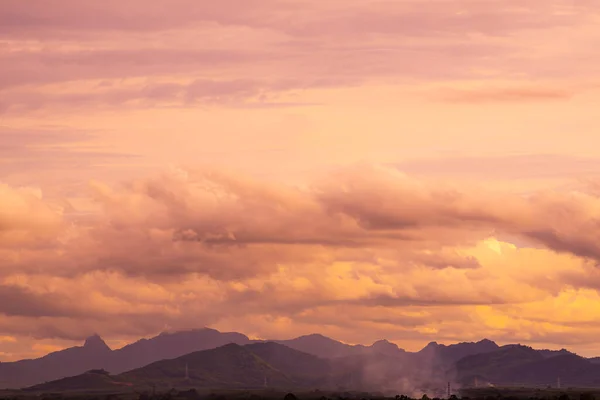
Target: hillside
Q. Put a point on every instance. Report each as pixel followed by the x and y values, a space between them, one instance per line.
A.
pixel 306 369
pixel 230 366
pixel 494 366
pixel 522 365
pixel 572 370
pixel 91 381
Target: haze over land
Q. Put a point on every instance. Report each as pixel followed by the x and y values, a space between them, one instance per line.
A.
pixel 361 169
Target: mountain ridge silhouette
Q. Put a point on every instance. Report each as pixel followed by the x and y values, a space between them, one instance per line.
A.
pixel 382 358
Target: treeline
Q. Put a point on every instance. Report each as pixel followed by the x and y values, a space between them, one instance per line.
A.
pixel 192 394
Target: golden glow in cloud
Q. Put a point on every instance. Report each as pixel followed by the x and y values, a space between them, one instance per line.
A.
pixel 366 246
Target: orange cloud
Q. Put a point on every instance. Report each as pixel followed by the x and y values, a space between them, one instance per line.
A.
pixel 366 246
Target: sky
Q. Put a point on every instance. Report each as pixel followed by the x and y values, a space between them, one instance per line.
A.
pixel 406 169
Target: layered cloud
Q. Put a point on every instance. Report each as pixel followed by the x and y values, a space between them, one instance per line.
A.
pixel 65 53
pixel 367 246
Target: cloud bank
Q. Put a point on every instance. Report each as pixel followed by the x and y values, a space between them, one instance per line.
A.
pixel 366 246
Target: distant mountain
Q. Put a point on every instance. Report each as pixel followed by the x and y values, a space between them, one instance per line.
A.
pixel 272 364
pixel 170 345
pixel 448 354
pixel 230 366
pixel 322 346
pixel 95 354
pixel 306 368
pixel 385 347
pixel 572 370
pixel 523 365
pixel 251 366
pixel 594 360
pixel 493 366
pixel 309 361
pixel 325 347
pixel 553 353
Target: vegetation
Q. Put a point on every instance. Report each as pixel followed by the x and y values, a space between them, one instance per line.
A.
pixel 200 394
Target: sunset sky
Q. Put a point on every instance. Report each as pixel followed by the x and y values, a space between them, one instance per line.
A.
pixel 414 170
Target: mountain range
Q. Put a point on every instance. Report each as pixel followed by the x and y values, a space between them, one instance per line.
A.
pixel 213 359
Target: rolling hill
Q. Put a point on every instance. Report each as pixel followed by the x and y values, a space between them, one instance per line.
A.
pixel 90 381
pixel 231 366
pixel 522 365
pixel 309 369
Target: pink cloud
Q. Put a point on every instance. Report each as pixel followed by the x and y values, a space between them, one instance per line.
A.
pixel 310 46
pixel 63 16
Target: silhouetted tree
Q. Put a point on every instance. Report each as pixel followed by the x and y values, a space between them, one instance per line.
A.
pixel 144 396
pixel 188 394
pixel 586 396
pixel 290 396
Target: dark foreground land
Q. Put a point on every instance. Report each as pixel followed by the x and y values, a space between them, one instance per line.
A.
pixel 199 394
pixel 491 393
pixel 518 393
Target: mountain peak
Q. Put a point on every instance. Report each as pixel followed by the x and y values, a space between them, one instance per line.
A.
pixel 386 347
pixel 384 343
pixel 431 348
pixel 488 345
pixel 314 336
pixel 95 342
